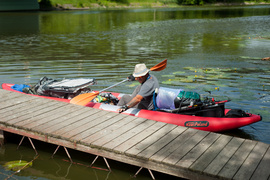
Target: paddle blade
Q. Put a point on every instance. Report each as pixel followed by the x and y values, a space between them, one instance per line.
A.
pixel 160 66
pixel 84 99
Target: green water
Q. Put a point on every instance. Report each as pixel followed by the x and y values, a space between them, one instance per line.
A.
pixel 217 49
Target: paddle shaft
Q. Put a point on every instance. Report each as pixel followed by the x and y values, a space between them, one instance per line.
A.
pixel 113 85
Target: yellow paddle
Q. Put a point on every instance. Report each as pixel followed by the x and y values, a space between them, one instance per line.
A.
pixel 84 99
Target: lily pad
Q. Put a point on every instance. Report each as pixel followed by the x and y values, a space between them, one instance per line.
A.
pixel 16 165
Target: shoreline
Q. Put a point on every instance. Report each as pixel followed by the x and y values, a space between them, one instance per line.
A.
pixel 96 6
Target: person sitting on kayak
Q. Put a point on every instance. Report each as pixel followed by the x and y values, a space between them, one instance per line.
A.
pixel 142 96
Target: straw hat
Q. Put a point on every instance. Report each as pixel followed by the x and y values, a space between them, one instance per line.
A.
pixel 140 70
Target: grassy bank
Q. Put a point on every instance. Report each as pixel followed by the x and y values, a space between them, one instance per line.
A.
pixel 101 4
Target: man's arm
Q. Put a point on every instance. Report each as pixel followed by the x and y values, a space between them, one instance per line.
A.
pixel 134 101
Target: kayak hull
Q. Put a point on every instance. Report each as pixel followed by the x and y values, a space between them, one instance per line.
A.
pixel 213 124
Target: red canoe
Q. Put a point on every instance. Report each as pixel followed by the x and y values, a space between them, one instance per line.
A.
pixel 213 124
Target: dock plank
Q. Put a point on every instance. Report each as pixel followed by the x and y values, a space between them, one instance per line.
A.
pixel 252 161
pixel 187 146
pixel 107 134
pixel 175 144
pixel 162 142
pixel 198 150
pixel 263 169
pixel 34 113
pixel 148 141
pixel 210 154
pixel 90 121
pixel 167 148
pixel 139 137
pixel 223 157
pixel 237 159
pixel 105 120
pixel 100 132
pixel 128 135
pixel 78 121
pixel 27 112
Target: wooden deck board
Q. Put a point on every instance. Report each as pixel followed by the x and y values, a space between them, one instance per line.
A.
pixel 252 161
pixel 101 130
pixel 158 146
pixel 128 135
pixel 223 157
pixel 139 137
pixel 90 121
pixel 198 150
pixel 95 126
pixel 174 145
pixel 148 141
pixel 237 159
pixel 162 142
pixel 109 133
pixel 263 169
pixel 79 120
pixel 210 154
pixel 187 146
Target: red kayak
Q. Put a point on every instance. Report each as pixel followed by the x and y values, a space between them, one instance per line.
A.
pixel 213 124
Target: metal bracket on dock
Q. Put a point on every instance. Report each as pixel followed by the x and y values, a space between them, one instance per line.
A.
pixel 66 153
pixel 30 142
pixel 105 162
pixel 148 171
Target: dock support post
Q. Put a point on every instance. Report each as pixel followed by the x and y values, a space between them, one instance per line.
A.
pixel 1 137
pixel 66 153
pixel 148 171
pixel 104 160
pixel 30 142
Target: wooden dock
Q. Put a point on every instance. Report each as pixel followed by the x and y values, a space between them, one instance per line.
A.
pixel 166 148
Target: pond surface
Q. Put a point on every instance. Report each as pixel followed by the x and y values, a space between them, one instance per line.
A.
pixel 216 49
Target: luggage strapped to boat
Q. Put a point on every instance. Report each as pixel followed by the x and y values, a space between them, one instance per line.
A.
pixel 66 88
pixel 186 102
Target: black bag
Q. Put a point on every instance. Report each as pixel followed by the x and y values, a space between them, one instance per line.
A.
pixel 236 113
pixel 66 88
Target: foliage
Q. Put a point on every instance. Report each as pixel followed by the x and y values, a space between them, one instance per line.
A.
pixel 111 3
